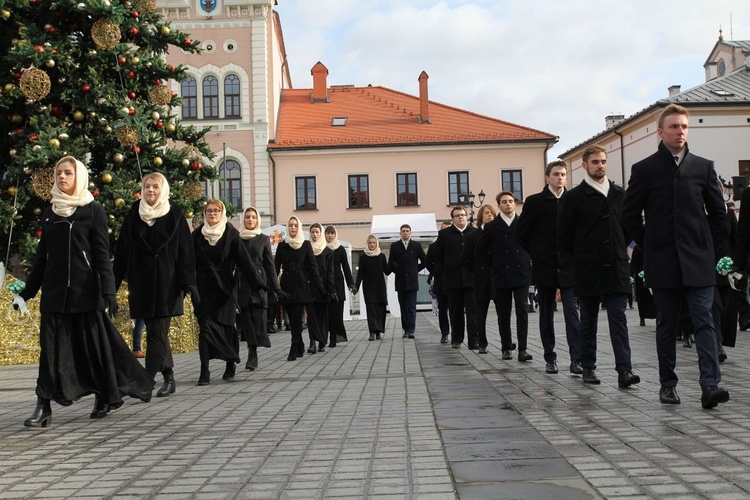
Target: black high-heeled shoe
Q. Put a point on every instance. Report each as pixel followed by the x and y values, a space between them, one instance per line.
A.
pixel 101 409
pixel 168 387
pixel 42 415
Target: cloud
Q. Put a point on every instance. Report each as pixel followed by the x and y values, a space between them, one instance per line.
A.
pixel 557 66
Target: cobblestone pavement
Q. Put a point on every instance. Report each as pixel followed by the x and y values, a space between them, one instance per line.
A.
pixel 392 419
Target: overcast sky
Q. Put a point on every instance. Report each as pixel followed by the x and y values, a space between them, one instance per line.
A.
pixel 555 65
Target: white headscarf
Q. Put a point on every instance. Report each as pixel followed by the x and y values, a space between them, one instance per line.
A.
pixel 334 245
pixel 297 241
pixel 64 204
pixel 246 233
pixel 320 245
pixel 373 253
pixel 160 208
pixel 214 233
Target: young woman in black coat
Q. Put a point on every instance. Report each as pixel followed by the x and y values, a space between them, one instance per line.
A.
pixel 373 267
pixel 342 275
pixel 317 311
pixel 298 273
pixel 81 350
pixel 155 254
pixel 254 303
pixel 218 252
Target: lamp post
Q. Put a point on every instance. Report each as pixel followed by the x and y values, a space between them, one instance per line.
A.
pixel 467 200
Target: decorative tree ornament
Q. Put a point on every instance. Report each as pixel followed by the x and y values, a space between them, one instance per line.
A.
pixel 119 203
pixel 160 95
pixel 117 157
pixel 50 63
pixel 127 135
pixel 191 152
pixel 42 181
pixel 144 5
pixel 35 84
pixel 106 177
pixel 192 190
pixel 157 161
pixel 106 34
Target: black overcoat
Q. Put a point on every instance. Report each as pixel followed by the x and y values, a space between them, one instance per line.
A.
pixel 298 271
pixel 551 266
pixel 342 273
pixel 325 268
pixel 371 275
pixel 590 228
pixel 684 212
pixel 742 244
pixel 72 265
pixel 405 264
pixel 480 269
pixel 157 261
pixel 449 249
pixel 437 282
pixel 498 247
pixel 214 268
pixel 259 249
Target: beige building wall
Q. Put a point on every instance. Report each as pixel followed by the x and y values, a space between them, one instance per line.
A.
pixel 331 169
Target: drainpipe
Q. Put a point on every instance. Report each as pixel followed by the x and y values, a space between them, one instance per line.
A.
pixel 622 156
pixel 273 191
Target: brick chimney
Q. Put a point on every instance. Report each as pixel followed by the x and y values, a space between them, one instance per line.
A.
pixel 424 109
pixel 674 90
pixel 320 83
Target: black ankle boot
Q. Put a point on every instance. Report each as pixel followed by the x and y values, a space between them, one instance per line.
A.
pixel 101 409
pixel 229 372
pixel 205 377
pixel 312 349
pixel 292 352
pixel 42 415
pixel 252 358
pixel 168 387
pixel 300 348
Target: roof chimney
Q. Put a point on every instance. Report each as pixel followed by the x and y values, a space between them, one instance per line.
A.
pixel 320 82
pixel 424 110
pixel 747 60
pixel 612 120
pixel 674 90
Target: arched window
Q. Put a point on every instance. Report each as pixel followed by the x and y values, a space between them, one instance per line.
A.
pixel 189 91
pixel 210 97
pixel 232 96
pixel 230 187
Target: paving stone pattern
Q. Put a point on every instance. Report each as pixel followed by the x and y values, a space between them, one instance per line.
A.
pixel 394 419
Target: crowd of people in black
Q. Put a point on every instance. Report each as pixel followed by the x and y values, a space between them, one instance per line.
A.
pixel 572 245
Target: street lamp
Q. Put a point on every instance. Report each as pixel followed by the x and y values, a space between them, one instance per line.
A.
pixel 467 200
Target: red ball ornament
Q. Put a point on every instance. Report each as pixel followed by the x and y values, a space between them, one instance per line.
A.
pixel 172 93
pixel 157 82
pixel 134 13
pixel 170 68
pixel 133 31
pixel 159 124
pixel 56 111
pixel 131 111
pixel 86 88
pixel 137 149
pixel 95 193
pixel 187 42
pixel 52 30
pixel 131 95
pixel 136 195
pixel 37 233
pixel 18 75
pixel 33 137
pixel 131 75
pixel 39 48
pixel 194 165
pixel 121 60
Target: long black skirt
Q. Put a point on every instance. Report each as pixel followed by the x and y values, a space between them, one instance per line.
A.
pixel 254 324
pixel 217 341
pixel 317 321
pixel 376 317
pixel 84 354
pixel 336 321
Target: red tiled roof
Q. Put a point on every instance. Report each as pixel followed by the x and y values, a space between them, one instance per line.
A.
pixel 379 116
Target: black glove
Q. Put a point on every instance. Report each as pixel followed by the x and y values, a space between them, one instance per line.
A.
pixel 283 295
pixel 334 297
pixel 111 305
pixel 195 297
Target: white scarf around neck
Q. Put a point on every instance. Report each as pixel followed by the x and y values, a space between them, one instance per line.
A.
pixel 298 240
pixel 506 219
pixel 160 208
pixel 246 233
pixel 603 188
pixel 373 253
pixel 65 204
pixel 214 233
pixel 334 245
pixel 320 245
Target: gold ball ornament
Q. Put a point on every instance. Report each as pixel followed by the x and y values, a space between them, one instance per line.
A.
pixel 189 214
pixel 106 178
pixel 127 135
pixel 35 84
pixel 155 115
pixel 9 87
pixel 135 60
pixel 160 95
pixel 171 128
pixel 55 143
pixel 50 63
pixel 16 118
pixel 118 157
pixel 192 190
pixel 37 211
pixel 144 5
pixel 119 202
pixel 12 190
pixel 42 181
pixel 12 152
pixel 78 115
pixel 157 161
pixel 165 30
pixel 106 34
pixel 63 136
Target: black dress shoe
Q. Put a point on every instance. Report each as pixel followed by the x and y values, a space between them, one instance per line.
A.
pixel 643 322
pixel 524 356
pixel 576 368
pixel 411 336
pixel 551 367
pixel 322 347
pixel 688 341
pixel 668 396
pixel 456 345
pixel 626 379
pixel 405 335
pixel 377 336
pixel 482 350
pixel 41 416
pixel 473 347
pixel 507 354
pixel 713 395
pixel 312 349
pixel 101 409
pixel 589 377
pixel 372 337
pixel 722 354
pixel 444 339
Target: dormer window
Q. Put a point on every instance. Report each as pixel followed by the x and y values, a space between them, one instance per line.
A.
pixel 339 121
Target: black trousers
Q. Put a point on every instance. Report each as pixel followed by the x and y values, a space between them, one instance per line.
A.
pixel 445 326
pixel 481 320
pixel 460 301
pixel 618 330
pixel 505 299
pixel 295 313
pixel 159 352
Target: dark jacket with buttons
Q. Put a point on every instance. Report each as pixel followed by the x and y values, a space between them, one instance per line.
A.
pixel 499 247
pixel 590 228
pixel 448 249
pixel 298 271
pixel 259 249
pixel 405 264
pixel 482 271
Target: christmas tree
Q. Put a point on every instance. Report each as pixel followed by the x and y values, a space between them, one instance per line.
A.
pixel 89 79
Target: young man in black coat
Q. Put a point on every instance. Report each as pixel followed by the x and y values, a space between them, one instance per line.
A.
pixel 551 267
pixel 458 282
pixel 684 212
pixel 405 259
pixel 437 288
pixel 590 228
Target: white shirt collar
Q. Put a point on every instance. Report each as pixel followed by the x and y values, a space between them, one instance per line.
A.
pixel 562 191
pixel 506 219
pixel 603 188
